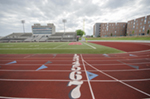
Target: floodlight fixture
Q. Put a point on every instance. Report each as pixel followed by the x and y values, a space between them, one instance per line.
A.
pixel 64 21
pixel 23 21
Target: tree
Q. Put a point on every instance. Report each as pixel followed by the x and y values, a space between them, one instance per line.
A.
pixel 133 32
pixel 147 31
pixel 80 32
pixel 111 34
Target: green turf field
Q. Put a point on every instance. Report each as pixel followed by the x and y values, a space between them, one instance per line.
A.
pixel 55 48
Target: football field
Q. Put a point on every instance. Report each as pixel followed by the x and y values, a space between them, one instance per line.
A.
pixel 55 47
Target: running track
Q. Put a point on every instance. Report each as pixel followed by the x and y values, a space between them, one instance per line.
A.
pixel 120 76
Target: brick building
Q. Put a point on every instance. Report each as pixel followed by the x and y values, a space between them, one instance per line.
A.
pixel 112 29
pixel 139 26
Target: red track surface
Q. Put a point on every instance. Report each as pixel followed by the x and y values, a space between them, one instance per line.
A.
pixel 116 79
pixel 126 46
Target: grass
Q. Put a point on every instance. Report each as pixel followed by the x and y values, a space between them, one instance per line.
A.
pixel 121 38
pixel 55 48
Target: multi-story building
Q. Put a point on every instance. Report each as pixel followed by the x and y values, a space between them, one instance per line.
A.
pixel 112 29
pixel 96 30
pixel 38 29
pixel 139 26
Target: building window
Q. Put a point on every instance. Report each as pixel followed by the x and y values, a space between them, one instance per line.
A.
pixel 136 20
pixel 141 26
pixel 149 25
pixel 140 23
pixel 148 21
pixel 137 24
pixel 139 30
pixel 141 19
pixel 136 27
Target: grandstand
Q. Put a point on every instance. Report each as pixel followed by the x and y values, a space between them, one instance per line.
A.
pixel 29 37
pixel 41 33
pixel 16 37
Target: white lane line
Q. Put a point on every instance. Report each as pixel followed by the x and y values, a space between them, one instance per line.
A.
pixel 90 45
pixel 27 56
pixel 22 98
pixel 139 51
pixel 119 70
pixel 54 55
pixel 61 80
pixel 93 97
pixel 118 80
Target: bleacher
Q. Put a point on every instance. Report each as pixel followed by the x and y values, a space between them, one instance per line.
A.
pixel 63 37
pixel 15 37
pixel 69 37
pixel 29 37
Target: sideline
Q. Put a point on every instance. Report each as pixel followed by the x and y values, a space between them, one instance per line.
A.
pixel 90 45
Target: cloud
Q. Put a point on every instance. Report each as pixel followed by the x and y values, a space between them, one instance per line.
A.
pixel 53 11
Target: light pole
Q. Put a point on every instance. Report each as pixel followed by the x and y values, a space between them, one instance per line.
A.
pixel 64 21
pixel 23 21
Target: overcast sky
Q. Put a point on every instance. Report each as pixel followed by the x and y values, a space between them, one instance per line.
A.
pixel 74 11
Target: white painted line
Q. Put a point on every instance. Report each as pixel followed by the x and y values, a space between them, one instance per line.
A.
pixel 120 70
pixel 93 97
pixel 22 98
pixel 59 46
pixel 139 51
pixel 118 80
pixel 90 45
pixel 61 80
pixel 27 56
pixel 93 64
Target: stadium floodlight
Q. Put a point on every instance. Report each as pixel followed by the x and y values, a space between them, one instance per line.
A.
pixel 23 21
pixel 64 21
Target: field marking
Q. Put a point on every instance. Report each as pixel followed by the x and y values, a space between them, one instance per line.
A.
pixel 118 80
pixel 93 97
pixel 90 45
pixel 59 46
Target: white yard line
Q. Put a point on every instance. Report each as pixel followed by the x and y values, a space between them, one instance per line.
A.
pixel 118 80
pixel 59 46
pixel 90 45
pixel 93 97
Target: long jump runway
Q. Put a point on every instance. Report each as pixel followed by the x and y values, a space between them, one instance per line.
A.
pixel 75 76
